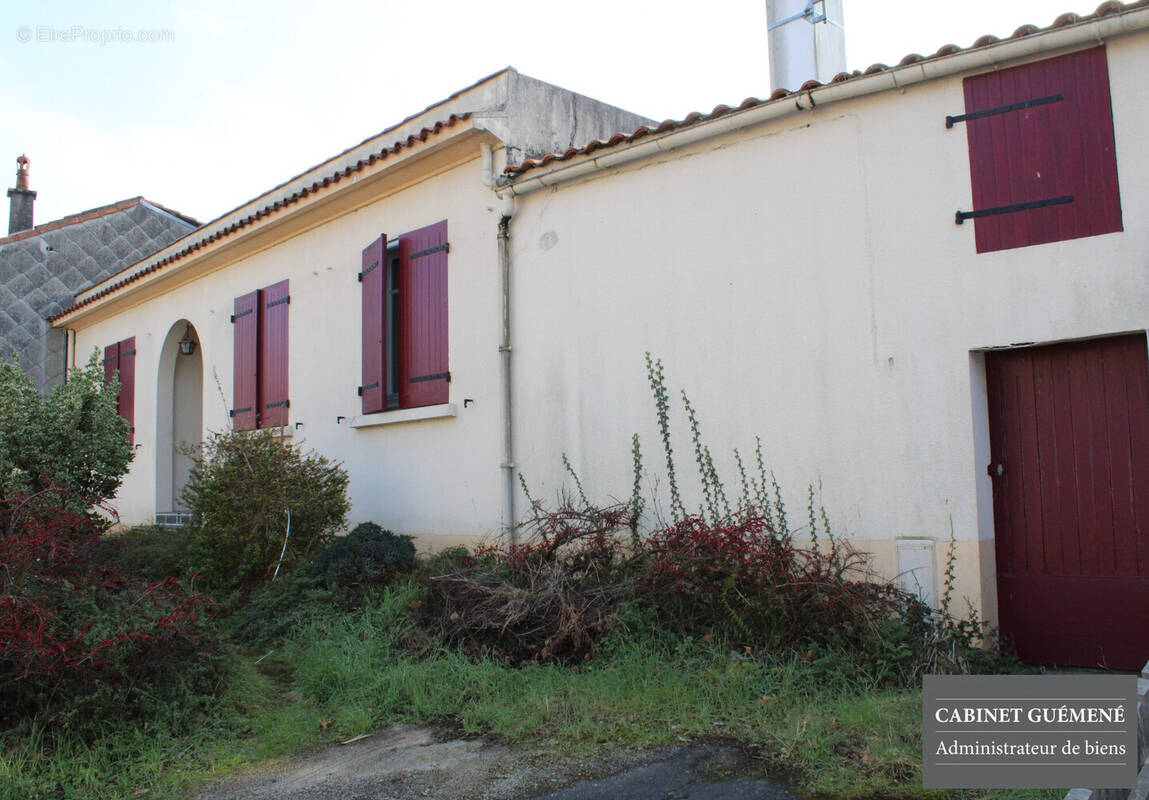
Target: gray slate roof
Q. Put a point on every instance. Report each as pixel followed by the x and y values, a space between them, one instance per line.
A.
pixel 42 269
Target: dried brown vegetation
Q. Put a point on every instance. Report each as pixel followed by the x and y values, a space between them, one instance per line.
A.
pixel 550 598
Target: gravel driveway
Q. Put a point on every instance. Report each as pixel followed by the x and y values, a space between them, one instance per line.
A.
pixel 404 762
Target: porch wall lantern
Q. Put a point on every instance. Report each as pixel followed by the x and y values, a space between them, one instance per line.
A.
pixel 187 344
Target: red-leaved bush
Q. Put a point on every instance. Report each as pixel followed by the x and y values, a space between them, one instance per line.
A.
pixel 741 578
pixel 554 596
pixel 79 637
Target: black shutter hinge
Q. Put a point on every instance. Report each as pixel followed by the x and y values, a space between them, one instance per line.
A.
pixel 236 411
pixel 281 403
pixel 962 216
pixel 446 246
pixel 367 388
pixel 234 317
pixel 435 377
pixel 370 267
pixel 1037 101
pixel 279 302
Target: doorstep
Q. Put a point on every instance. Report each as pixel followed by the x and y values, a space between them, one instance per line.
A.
pixel 173 519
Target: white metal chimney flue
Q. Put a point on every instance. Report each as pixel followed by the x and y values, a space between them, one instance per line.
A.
pixel 806 40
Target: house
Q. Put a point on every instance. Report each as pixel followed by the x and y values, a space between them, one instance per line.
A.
pixel 924 286
pixel 42 266
pixel 290 306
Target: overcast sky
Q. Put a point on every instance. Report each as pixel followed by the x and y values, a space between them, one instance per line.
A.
pixel 227 98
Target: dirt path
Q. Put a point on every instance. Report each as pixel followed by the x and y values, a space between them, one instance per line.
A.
pixel 404 762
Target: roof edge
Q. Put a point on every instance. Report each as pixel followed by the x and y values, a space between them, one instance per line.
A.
pixel 210 233
pixel 1109 14
pixel 374 138
pixel 171 212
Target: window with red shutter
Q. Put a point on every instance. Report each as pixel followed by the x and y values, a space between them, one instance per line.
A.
pixel 120 358
pixel 405 321
pixel 260 377
pixel 1042 157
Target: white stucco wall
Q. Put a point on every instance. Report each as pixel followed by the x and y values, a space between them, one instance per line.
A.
pixel 438 476
pixel 804 281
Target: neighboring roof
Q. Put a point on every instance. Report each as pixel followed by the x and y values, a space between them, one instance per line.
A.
pixel 93 213
pixel 1108 8
pixel 210 233
pixel 41 269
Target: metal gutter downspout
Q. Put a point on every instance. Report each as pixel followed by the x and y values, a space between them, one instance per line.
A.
pixel 507 465
pixel 1094 31
pixel 69 336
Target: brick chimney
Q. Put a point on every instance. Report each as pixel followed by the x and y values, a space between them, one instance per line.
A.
pixel 21 199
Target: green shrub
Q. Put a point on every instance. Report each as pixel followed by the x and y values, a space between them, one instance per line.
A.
pixel 85 639
pixel 277 610
pixel 448 560
pixel 369 554
pixel 249 492
pixel 150 552
pixel 71 438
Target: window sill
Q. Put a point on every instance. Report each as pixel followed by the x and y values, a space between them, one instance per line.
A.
pixel 405 415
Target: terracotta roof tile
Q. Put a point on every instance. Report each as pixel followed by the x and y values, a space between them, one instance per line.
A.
pixel 1105 9
pixel 220 233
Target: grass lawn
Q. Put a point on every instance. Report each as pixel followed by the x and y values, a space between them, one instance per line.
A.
pixel 815 719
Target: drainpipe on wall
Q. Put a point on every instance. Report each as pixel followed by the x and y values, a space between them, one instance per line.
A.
pixel 66 340
pixel 507 465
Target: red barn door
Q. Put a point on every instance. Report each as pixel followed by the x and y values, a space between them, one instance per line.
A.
pixel 1069 433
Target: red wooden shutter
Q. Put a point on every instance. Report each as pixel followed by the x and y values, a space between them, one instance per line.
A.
pixel 127 400
pixel 1060 147
pixel 423 374
pixel 374 279
pixel 121 358
pixel 273 400
pixel 111 362
pixel 244 386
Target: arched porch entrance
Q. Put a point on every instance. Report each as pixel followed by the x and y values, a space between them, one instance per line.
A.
pixel 179 417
